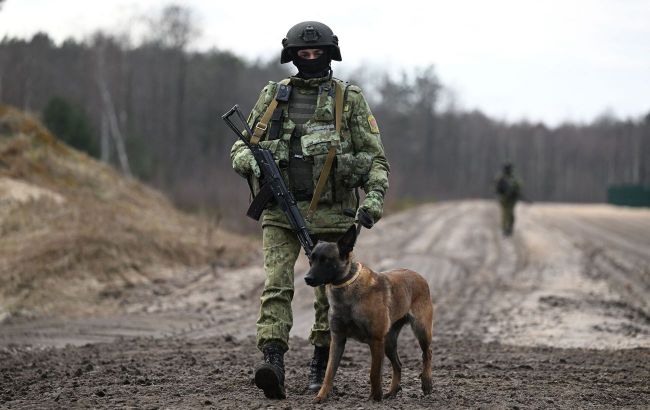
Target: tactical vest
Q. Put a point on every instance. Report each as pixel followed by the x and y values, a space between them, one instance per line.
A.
pixel 301 108
pixel 508 188
pixel 300 140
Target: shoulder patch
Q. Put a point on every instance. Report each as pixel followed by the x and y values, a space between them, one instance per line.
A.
pixel 372 122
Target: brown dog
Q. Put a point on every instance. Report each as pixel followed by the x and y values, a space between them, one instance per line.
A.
pixel 372 308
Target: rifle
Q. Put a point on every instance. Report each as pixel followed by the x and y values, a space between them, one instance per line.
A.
pixel 272 186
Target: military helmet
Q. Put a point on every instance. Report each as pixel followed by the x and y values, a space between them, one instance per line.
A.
pixel 310 34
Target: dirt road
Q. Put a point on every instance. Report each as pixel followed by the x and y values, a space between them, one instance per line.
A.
pixel 557 315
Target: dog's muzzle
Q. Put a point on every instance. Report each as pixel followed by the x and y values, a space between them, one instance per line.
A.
pixel 311 281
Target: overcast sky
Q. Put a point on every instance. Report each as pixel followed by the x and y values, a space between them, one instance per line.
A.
pixel 549 60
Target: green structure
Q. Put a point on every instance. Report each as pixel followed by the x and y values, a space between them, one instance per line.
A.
pixel 629 195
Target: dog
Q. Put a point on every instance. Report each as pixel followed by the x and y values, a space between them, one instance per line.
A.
pixel 371 308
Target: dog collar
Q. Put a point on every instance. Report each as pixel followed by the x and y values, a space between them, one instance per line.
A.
pixel 349 281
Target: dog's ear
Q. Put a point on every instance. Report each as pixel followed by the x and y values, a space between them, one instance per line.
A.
pixel 347 241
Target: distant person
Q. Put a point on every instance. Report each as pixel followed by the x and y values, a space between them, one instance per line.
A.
pixel 303 120
pixel 508 190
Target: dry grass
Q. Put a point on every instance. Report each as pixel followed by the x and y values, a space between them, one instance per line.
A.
pixel 72 227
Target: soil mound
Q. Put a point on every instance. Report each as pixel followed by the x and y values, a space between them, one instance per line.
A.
pixel 75 234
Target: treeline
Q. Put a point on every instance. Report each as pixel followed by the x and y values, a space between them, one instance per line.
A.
pixel 155 108
pixel 160 101
pixel 449 153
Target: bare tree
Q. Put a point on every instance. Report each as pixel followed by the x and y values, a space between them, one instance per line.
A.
pixel 173 30
pixel 175 27
pixel 109 121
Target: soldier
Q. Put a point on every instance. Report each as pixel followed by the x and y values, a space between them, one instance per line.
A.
pixel 508 189
pixel 300 120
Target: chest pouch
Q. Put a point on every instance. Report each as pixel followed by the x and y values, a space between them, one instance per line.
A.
pixel 310 145
pixel 320 149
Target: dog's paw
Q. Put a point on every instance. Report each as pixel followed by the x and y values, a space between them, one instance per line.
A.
pixel 393 393
pixel 375 396
pixel 320 399
pixel 427 386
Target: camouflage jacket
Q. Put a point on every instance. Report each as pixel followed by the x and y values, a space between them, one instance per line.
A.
pixel 507 188
pixel 360 159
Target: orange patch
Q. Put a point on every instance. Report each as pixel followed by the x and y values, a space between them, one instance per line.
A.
pixel 373 124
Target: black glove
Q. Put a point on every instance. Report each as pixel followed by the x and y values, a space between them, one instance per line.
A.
pixel 364 218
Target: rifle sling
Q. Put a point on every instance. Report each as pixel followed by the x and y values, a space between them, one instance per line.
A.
pixel 331 153
pixel 262 124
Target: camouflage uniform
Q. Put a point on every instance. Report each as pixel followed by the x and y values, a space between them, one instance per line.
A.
pixel 360 162
pixel 508 189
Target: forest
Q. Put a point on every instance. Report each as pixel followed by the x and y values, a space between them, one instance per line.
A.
pixel 152 108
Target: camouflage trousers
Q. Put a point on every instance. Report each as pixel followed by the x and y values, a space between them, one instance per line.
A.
pixel 507 217
pixel 281 249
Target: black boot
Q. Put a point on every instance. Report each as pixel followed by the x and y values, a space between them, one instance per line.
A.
pixel 317 367
pixel 269 375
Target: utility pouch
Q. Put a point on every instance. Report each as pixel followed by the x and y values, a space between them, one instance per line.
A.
pixel 284 92
pixel 275 126
pixel 316 147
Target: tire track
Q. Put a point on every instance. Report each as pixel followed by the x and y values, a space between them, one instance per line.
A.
pixel 466 305
pixel 561 280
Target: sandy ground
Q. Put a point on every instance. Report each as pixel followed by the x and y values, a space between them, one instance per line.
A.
pixel 556 316
pixel 13 190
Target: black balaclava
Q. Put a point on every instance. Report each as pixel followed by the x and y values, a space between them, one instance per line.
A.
pixel 316 68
